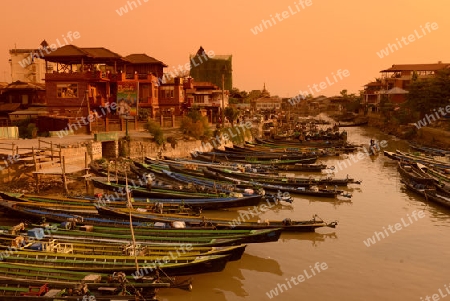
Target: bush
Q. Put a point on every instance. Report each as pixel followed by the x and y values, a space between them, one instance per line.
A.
pixel 195 125
pixel 155 129
pixel 27 130
pixel 173 142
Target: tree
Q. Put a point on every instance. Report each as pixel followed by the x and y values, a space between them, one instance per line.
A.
pixel 344 93
pixel 232 114
pixel 428 94
pixel 196 125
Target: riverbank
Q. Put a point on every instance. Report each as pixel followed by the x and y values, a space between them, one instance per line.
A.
pixel 437 136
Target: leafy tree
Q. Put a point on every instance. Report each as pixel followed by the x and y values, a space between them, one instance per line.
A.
pixel 429 93
pixel 232 114
pixel 196 125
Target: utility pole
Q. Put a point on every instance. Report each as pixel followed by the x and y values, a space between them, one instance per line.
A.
pixel 224 69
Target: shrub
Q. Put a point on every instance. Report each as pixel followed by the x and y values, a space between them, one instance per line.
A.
pixel 155 129
pixel 195 125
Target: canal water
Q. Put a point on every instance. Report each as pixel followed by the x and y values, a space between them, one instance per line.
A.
pixel 407 261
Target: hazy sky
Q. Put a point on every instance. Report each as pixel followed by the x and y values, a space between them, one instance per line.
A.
pixel 305 45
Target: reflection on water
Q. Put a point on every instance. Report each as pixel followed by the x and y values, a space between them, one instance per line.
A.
pixel 314 237
pixel 259 264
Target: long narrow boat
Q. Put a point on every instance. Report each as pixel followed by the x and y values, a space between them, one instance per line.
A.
pixel 261 156
pixel 285 225
pixel 277 180
pixel 219 159
pixel 412 173
pixel 429 150
pixel 71 283
pixel 310 191
pixel 424 160
pixel 142 192
pixel 116 249
pixel 170 235
pixel 172 266
pixel 429 193
pixel 11 290
pixel 197 165
pixel 167 220
pixel 173 204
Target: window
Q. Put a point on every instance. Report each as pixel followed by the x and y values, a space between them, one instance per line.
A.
pixel 67 90
pixel 199 99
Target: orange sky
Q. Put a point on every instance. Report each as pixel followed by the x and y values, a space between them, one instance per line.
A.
pixel 309 44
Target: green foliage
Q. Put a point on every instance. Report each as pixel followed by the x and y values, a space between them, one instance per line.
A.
pixel 27 130
pixel 429 93
pixel 155 129
pixel 232 114
pixel 173 142
pixel 143 114
pixel 195 125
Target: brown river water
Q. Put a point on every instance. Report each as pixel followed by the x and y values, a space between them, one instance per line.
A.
pixel 407 264
pixel 408 260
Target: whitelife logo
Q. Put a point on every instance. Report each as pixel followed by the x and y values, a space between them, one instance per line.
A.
pixel 52 47
pixel 411 38
pixel 265 24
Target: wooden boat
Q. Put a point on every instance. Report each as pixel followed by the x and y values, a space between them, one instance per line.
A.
pixel 173 204
pixel 219 159
pixel 429 193
pixel 17 290
pixel 142 192
pixel 277 180
pixel 424 160
pixel 412 173
pixel 147 236
pixel 354 124
pixel 116 249
pixel 93 263
pixel 429 150
pixel 285 225
pixel 261 156
pixel 437 198
pixel 16 280
pixel 297 190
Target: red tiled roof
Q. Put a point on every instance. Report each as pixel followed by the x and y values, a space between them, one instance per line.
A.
pixel 417 67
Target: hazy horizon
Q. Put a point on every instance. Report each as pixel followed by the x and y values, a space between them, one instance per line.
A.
pixel 290 46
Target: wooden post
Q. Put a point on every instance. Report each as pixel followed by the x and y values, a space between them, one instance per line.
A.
pixel 108 173
pixel 117 178
pixel 142 149
pixel 86 166
pixel 34 159
pixel 12 147
pixel 64 175
pixel 39 144
pixel 51 149
pixel 36 178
